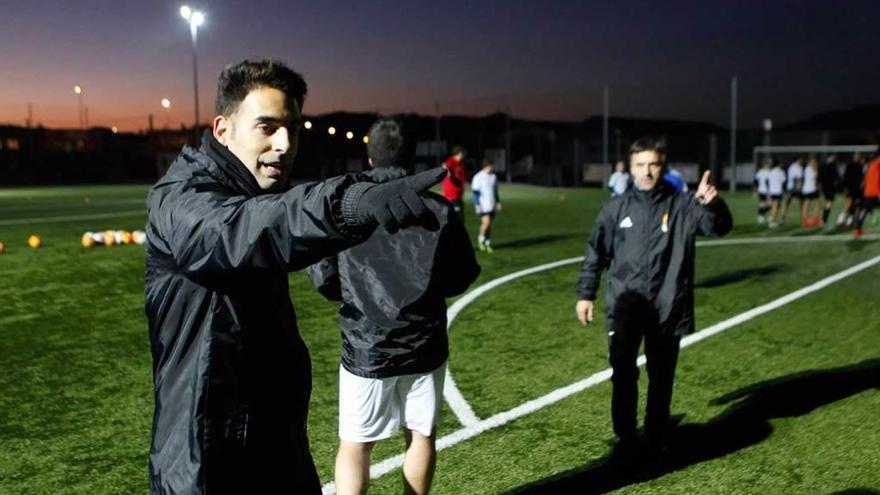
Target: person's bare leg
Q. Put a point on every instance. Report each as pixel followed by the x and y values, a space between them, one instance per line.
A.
pixel 805 211
pixel 418 463
pixel 774 209
pixel 485 222
pixel 353 467
pixel 488 232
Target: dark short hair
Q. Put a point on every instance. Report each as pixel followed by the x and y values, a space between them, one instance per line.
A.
pixel 650 143
pixel 385 143
pixel 237 80
pixel 458 149
pixel 488 161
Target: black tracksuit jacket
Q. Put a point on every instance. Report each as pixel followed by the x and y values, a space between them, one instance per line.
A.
pixel 650 267
pixel 393 289
pixel 232 376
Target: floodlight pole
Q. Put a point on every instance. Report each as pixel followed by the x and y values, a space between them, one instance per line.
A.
pixel 733 134
pixel 194 34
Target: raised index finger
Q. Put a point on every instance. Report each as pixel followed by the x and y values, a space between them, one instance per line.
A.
pixel 705 180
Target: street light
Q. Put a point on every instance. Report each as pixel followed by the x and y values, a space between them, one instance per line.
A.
pixel 349 135
pixel 195 19
pixel 366 139
pixel 78 90
pixel 307 124
pixel 331 131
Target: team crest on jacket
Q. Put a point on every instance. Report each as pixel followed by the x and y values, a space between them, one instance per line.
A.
pixel 626 223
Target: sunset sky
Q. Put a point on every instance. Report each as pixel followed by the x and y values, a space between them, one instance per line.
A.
pixel 547 59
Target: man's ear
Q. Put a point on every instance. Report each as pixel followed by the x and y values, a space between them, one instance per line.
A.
pixel 222 129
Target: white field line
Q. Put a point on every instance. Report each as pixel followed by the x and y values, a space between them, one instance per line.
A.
pixel 73 218
pixel 469 431
pixel 460 406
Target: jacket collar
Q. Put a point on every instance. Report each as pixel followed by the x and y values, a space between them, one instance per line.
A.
pixel 658 193
pixel 233 170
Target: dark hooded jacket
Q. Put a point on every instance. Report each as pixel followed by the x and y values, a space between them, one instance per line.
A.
pixel 232 376
pixel 645 239
pixel 393 289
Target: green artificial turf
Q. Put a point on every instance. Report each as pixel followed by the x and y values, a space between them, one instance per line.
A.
pixel 76 386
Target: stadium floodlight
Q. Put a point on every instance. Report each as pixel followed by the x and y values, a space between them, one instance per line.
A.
pixel 349 135
pixel 114 129
pixel 79 94
pixel 307 124
pixel 366 139
pixel 195 19
pixel 768 125
pixel 331 130
pixel 166 103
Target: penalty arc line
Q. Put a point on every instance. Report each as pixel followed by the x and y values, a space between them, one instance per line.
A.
pixel 467 432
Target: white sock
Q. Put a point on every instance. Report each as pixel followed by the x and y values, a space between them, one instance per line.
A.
pixel 481 239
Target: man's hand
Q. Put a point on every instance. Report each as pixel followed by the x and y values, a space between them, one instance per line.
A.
pixel 584 310
pixel 478 210
pixel 497 206
pixel 395 204
pixel 706 193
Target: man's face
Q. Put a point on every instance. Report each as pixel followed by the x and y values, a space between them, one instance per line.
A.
pixel 263 133
pixel 646 168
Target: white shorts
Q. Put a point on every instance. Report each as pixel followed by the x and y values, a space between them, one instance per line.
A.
pixel 372 409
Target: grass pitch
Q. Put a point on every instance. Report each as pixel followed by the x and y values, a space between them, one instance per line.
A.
pixel 784 403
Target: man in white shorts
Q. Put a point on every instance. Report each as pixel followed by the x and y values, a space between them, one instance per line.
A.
pixel 393 319
pixel 795 180
pixel 486 202
pixel 775 188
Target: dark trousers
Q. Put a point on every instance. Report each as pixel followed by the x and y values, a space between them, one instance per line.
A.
pixel 661 352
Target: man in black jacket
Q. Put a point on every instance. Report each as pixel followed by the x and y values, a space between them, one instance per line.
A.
pixel 645 239
pixel 232 376
pixel 393 318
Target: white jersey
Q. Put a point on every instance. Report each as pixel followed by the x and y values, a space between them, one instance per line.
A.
pixel 809 180
pixel 795 173
pixel 485 189
pixel 776 181
pixel 618 183
pixel 762 177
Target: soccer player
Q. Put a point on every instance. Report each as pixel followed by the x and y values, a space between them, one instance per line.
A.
pixel 618 183
pixel 453 184
pixel 810 194
pixel 775 187
pixel 829 181
pixel 853 183
pixel 232 376
pixel 795 181
pixel 762 188
pixel 394 344
pixel 871 194
pixel 486 202
pixel 645 239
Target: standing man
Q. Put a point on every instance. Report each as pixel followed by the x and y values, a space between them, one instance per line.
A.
pixel 645 239
pixel 775 188
pixel 394 343
pixel 870 194
pixel 486 202
pixel 853 178
pixel 232 376
pixel 762 189
pixel 453 184
pixel 618 183
pixel 795 180
pixel 829 181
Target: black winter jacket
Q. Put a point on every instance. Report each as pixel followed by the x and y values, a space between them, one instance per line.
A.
pixel 646 241
pixel 393 289
pixel 232 376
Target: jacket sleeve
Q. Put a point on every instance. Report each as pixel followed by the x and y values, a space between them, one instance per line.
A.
pixel 456 264
pixel 324 276
pixel 597 259
pixel 209 233
pixel 713 219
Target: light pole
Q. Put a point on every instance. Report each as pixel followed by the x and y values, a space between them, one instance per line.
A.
pixel 195 19
pixel 166 104
pixel 79 93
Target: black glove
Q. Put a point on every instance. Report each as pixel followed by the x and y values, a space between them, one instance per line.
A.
pixel 394 204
